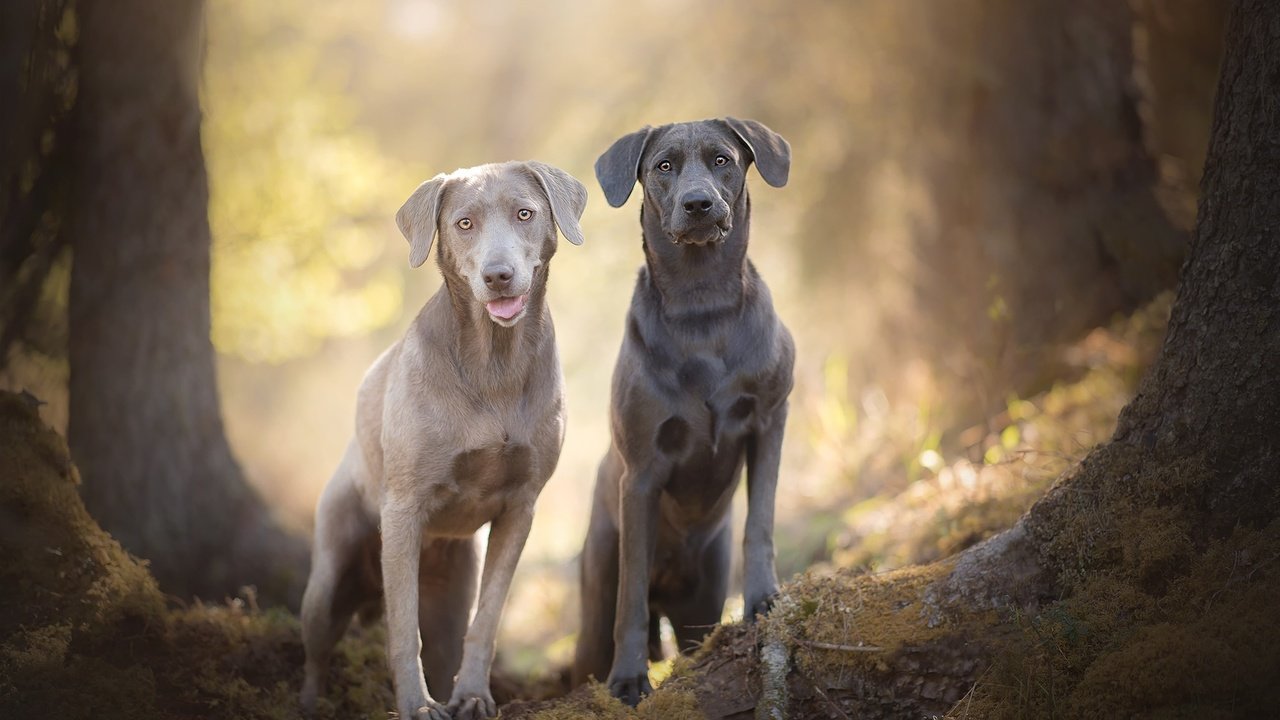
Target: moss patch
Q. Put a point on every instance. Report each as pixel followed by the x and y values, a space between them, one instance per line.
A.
pixel 68 592
pixel 85 632
pixel 673 700
pixel 848 619
pixel 1163 616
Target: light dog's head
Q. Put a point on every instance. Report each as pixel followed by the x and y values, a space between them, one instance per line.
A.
pixel 693 173
pixel 497 226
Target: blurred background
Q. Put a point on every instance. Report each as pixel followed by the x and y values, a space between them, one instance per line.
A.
pixel 989 201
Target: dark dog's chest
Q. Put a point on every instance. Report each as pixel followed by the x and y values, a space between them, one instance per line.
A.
pixel 704 439
pixel 707 410
pixel 694 393
pixel 700 486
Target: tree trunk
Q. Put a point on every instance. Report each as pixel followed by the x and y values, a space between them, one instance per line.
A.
pixel 1145 581
pixel 1048 195
pixel 1216 388
pixel 1032 144
pixel 38 80
pixel 145 425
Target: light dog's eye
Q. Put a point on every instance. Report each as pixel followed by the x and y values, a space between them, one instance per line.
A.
pixel 664 166
pixel 524 213
pixel 722 160
pixel 465 223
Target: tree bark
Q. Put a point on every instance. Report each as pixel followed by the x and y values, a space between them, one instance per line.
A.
pixel 1215 388
pixel 145 425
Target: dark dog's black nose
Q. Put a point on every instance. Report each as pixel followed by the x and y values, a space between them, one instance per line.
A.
pixel 696 203
pixel 498 277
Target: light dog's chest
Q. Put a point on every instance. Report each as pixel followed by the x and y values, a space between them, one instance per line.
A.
pixel 494 469
pixel 479 482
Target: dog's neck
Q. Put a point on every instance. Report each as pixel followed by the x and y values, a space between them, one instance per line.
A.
pixel 487 354
pixel 695 282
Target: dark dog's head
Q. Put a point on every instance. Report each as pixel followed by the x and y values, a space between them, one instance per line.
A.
pixel 497 225
pixel 693 173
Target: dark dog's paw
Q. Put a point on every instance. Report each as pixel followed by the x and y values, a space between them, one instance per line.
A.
pixel 630 689
pixel 759 604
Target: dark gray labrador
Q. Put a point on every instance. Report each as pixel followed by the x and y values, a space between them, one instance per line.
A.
pixel 700 386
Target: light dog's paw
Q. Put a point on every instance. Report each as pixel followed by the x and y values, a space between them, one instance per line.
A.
pixel 307 701
pixel 472 704
pixel 429 710
pixel 630 688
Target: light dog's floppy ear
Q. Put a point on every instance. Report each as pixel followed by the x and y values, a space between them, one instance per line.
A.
pixel 417 218
pixel 770 151
pixel 568 198
pixel 619 167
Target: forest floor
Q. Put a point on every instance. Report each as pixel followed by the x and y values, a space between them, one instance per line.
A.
pixel 86 632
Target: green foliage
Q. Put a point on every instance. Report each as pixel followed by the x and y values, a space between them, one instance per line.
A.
pixel 966 494
pixel 301 199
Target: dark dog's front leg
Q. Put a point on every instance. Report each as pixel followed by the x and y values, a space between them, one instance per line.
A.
pixel 638 517
pixel 760 579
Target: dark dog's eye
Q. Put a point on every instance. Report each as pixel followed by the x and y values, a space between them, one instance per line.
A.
pixel 465 223
pixel 524 213
pixel 722 160
pixel 665 166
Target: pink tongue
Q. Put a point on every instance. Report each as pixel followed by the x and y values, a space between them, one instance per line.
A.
pixel 506 308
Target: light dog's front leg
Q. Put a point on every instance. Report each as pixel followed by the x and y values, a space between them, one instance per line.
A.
pixel 760 579
pixel 471 699
pixel 401 547
pixel 638 515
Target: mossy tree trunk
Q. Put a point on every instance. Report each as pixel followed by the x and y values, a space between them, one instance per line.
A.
pixel 1191 468
pixel 145 424
pixel 1216 386
pixel 1213 395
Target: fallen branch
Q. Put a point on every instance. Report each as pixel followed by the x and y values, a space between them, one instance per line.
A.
pixel 842 648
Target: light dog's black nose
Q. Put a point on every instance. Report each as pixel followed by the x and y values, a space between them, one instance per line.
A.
pixel 498 277
pixel 696 203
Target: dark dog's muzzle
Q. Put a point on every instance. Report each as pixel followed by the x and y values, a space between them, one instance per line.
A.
pixel 699 218
pixel 696 204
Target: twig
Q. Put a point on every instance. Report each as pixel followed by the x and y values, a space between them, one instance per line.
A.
pixel 843 648
pixel 830 703
pixel 1261 565
pixel 968 697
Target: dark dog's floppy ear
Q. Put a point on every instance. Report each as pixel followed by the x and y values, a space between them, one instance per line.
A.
pixel 770 151
pixel 619 167
pixel 568 198
pixel 417 218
